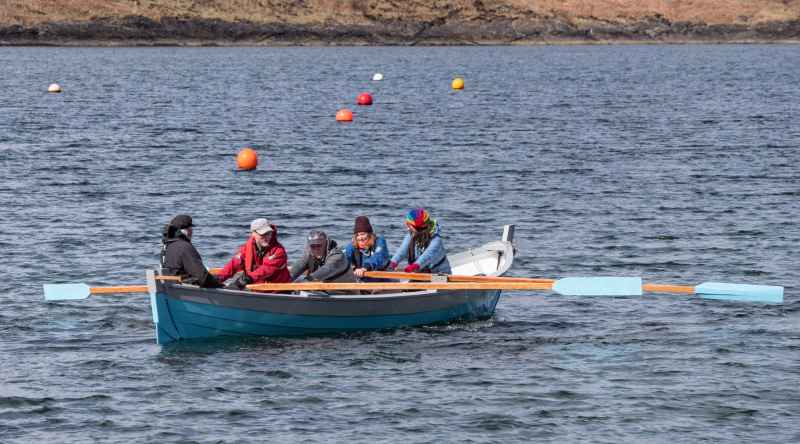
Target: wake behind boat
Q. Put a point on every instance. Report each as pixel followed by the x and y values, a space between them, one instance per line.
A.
pixel 183 312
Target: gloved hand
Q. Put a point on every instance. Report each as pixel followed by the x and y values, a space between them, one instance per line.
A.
pixel 243 281
pixel 392 266
pixel 413 268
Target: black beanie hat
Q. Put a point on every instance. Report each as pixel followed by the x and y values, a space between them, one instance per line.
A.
pixel 362 225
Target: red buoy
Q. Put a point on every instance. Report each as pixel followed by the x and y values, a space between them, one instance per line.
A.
pixel 364 99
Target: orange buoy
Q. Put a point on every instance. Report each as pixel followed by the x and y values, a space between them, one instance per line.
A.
pixel 458 83
pixel 247 159
pixel 364 99
pixel 344 115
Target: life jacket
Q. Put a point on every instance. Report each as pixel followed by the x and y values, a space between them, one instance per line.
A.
pixel 358 258
pixel 314 264
pixel 253 255
pixel 412 252
pixel 168 236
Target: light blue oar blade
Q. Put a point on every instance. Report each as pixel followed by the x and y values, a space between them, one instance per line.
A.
pixel 65 292
pixel 599 286
pixel 740 292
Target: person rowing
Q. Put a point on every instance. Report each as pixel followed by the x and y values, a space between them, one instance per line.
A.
pixel 260 260
pixel 180 258
pixel 322 261
pixel 422 247
pixel 367 252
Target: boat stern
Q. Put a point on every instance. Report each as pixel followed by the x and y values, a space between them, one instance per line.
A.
pixel 162 319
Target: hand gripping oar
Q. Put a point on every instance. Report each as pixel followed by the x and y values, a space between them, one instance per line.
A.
pixel 722 291
pixel 594 286
pixel 68 292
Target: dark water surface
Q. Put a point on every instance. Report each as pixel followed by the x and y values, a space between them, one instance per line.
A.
pixel 675 163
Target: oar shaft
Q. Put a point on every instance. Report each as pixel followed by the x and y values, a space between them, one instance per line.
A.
pixel 666 288
pixel 427 277
pixel 340 286
pixel 131 288
pixel 126 289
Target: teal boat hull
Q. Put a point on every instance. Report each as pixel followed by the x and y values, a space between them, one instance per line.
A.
pixel 181 313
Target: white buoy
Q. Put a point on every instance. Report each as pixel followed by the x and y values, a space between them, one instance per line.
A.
pixel 377 76
pixel 54 88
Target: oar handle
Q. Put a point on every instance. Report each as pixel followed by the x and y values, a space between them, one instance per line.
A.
pixel 665 288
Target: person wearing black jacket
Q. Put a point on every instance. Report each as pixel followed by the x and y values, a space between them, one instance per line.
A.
pixel 180 258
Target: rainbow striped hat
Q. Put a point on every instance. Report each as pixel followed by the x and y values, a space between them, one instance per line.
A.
pixel 418 218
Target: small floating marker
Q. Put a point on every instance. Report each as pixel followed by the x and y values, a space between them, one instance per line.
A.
pixel 344 115
pixel 377 77
pixel 247 159
pixel 54 88
pixel 458 83
pixel 364 99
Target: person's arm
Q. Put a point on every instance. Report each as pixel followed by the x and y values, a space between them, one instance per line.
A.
pixel 402 252
pixel 335 264
pixel 270 265
pixel 433 254
pixel 194 267
pixel 233 266
pixel 299 267
pixel 380 256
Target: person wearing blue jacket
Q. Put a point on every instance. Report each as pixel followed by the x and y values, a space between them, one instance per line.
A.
pixel 367 252
pixel 422 246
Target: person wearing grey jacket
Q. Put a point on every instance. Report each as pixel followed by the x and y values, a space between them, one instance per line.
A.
pixel 322 261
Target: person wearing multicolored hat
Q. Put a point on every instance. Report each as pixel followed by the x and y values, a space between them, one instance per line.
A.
pixel 367 252
pixel 422 246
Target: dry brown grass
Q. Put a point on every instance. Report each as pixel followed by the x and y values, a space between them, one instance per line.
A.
pixel 29 12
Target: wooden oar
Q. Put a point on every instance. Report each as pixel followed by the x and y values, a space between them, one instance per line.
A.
pixel 591 286
pixel 67 292
pixel 428 277
pixel 594 286
pixel 708 290
pixel 722 291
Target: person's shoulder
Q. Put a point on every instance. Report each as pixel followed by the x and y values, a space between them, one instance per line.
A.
pixel 180 243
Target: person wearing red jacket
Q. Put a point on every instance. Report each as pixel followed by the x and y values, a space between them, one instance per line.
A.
pixel 261 259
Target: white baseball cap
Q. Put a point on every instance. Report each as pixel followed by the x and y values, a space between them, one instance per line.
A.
pixel 261 226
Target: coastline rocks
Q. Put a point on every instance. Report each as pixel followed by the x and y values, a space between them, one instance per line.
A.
pixel 140 30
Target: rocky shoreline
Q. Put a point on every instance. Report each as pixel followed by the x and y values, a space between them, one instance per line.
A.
pixel 135 30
